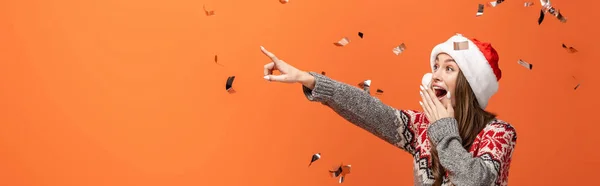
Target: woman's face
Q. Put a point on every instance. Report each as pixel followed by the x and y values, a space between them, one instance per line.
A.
pixel 445 73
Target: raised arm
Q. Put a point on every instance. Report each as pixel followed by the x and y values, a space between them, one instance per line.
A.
pixel 488 167
pixel 394 126
pixel 362 109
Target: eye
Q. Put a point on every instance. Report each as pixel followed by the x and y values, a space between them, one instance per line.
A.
pixel 435 67
pixel 450 68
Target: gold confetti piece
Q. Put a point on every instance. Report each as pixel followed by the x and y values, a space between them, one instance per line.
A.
pixel 208 13
pixel 323 72
pixel 463 45
pixel 379 92
pixel 525 64
pixel 569 49
pixel 343 42
pixel 399 49
pixel 576 87
pixel 479 10
pixel 284 1
pixel 528 4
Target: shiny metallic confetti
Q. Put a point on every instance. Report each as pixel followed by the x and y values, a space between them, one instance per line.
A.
pixel 360 34
pixel 343 42
pixel 379 92
pixel 578 84
pixel 541 18
pixel 525 64
pixel 208 13
pixel 340 172
pixel 323 72
pixel 548 8
pixel 217 60
pixel 284 1
pixel 528 4
pixel 463 45
pixel 399 49
pixel 314 158
pixel 569 49
pixel 495 3
pixel 365 85
pixel 479 10
pixel 229 84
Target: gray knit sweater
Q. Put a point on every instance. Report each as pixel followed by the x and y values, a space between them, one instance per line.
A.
pixel 485 163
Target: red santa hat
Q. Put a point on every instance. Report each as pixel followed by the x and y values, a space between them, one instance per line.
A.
pixel 478 62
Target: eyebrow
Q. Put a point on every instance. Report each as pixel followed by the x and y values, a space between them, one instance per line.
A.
pixel 446 61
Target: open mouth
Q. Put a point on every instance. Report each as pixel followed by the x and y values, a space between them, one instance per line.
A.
pixel 440 92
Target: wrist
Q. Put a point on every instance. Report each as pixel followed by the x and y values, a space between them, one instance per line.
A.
pixel 307 80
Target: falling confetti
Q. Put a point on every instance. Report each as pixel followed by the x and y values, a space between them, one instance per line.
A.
pixel 569 49
pixel 217 61
pixel 284 1
pixel 399 49
pixel 463 45
pixel 495 3
pixel 578 84
pixel 360 34
pixel 525 64
pixel 340 172
pixel 379 91
pixel 208 13
pixel 528 4
pixel 541 18
pixel 314 158
pixel 548 8
pixel 343 42
pixel 323 72
pixel 229 84
pixel 365 85
pixel 479 10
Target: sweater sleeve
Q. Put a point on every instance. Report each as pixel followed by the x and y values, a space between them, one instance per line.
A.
pixel 488 167
pixel 369 113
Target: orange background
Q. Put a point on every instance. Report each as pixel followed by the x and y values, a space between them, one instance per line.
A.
pixel 119 92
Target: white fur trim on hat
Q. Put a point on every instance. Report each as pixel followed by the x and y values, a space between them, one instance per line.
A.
pixel 473 65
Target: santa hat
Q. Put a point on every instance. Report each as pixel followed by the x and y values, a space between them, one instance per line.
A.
pixel 478 61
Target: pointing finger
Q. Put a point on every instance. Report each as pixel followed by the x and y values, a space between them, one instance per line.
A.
pixel 269 54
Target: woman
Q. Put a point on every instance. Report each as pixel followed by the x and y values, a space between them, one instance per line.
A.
pixel 454 141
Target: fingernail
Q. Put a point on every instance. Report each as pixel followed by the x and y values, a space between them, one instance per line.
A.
pixel 267 77
pixel 421 93
pixel 421 86
pixel 448 95
pixel 261 47
pixel 421 103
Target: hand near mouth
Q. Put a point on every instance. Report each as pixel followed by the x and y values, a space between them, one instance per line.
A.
pixel 433 108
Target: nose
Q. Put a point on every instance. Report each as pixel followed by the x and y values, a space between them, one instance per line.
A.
pixel 437 76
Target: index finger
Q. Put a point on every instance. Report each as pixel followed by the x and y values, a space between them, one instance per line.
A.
pixel 434 98
pixel 269 54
